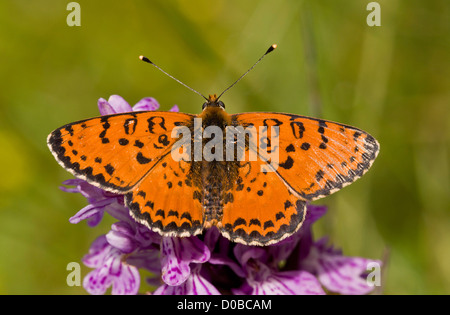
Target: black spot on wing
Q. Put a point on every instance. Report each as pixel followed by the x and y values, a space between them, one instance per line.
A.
pixel 130 125
pixel 319 175
pixel 142 159
pixel 239 221
pixel 197 195
pixel 141 193
pixel 305 146
pixel 290 148
pixel 160 213
pixel 254 222
pixel 297 129
pixel 287 164
pixel 109 169
pixel 228 198
pixel 268 224
pixel 138 144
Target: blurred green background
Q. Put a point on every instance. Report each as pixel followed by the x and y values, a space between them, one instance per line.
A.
pixel 391 80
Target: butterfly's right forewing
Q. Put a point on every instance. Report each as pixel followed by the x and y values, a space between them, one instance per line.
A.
pixel 115 152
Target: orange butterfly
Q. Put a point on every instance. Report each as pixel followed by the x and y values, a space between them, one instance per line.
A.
pixel 253 201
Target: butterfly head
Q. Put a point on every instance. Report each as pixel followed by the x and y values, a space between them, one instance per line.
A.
pixel 213 101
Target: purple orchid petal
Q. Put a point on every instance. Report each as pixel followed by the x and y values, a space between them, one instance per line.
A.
pixel 97 282
pixel 212 235
pixel 304 283
pixel 299 282
pixel 177 254
pixel 195 284
pixel 92 211
pixel 174 109
pixel 131 237
pixel 146 104
pixel 174 270
pixel 95 219
pixel 123 278
pixel 283 283
pixel 104 107
pixel 97 252
pixel 345 274
pixel 90 192
pixel 262 274
pixel 148 259
pixel 98 199
pixel 71 182
pixel 119 105
pixel 146 237
pixel 282 250
pixel 264 280
pixel 314 213
pixel 70 189
pixel 121 237
pixel 119 211
pixel 243 253
pixel 128 282
pixel 336 272
pixel 216 259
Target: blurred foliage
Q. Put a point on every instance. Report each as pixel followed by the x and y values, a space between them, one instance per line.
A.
pixel 392 81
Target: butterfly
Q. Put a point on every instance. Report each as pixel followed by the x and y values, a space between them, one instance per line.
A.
pixel 256 198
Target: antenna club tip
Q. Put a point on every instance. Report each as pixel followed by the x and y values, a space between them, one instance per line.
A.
pixel 271 48
pixel 143 58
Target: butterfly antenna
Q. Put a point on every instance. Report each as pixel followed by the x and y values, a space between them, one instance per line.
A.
pixel 143 58
pixel 271 48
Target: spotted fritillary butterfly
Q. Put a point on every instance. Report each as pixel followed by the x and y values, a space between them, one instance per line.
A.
pixel 130 154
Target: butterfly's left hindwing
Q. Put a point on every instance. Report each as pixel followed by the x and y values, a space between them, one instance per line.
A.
pixel 314 157
pixel 115 152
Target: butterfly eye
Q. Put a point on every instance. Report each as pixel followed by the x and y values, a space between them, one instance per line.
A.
pixel 213 104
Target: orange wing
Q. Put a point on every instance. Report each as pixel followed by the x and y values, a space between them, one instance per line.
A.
pixel 315 157
pixel 167 200
pixel 115 152
pixel 259 209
